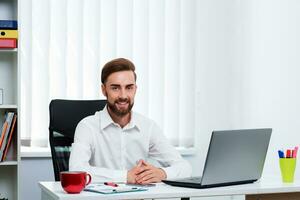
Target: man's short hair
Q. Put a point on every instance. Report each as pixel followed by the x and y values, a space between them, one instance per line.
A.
pixel 117 65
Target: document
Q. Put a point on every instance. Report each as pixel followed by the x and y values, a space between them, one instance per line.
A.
pixel 108 189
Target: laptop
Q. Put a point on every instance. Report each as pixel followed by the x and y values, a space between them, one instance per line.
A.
pixel 233 157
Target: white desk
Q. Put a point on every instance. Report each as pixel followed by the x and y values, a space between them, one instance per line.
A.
pixel 261 190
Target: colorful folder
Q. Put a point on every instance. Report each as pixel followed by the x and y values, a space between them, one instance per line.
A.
pixel 8 43
pixel 9 24
pixel 8 33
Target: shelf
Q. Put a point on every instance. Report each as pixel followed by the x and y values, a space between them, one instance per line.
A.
pixel 9 50
pixel 12 106
pixel 10 83
pixel 6 163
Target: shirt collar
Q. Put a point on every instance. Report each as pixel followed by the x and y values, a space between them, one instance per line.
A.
pixel 106 120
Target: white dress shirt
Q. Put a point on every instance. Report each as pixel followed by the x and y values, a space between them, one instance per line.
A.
pixel 107 151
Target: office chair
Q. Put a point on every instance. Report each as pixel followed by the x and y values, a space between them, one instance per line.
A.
pixel 64 117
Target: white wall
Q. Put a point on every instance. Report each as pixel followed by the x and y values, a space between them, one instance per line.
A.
pixel 248 67
pixel 215 52
pixel 272 73
pixel 32 171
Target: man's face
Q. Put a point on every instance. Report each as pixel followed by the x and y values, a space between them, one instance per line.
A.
pixel 119 90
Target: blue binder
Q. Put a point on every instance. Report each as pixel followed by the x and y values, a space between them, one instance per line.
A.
pixel 9 24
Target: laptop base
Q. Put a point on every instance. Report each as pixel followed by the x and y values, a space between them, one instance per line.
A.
pixel 199 186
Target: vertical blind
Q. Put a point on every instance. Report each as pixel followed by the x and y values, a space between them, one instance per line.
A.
pixel 63 45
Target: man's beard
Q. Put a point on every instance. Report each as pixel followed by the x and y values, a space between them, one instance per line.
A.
pixel 120 112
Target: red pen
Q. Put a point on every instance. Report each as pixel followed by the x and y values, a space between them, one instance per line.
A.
pixel 111 184
pixel 288 153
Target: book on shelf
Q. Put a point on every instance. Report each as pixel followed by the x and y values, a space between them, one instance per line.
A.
pixel 8 43
pixel 5 134
pixel 5 33
pixel 9 24
pixel 10 135
pixel 4 127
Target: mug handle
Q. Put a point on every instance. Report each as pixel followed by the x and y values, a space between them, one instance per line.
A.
pixel 89 179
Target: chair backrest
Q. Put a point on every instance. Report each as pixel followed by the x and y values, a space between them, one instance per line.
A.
pixel 64 117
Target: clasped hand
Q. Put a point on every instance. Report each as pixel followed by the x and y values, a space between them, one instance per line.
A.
pixel 145 173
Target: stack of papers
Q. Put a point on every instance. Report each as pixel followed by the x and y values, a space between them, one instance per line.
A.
pixel 106 189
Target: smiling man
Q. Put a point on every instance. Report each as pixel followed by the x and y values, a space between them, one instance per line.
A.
pixel 115 143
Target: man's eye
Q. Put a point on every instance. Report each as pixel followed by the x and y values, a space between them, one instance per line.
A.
pixel 130 88
pixel 114 88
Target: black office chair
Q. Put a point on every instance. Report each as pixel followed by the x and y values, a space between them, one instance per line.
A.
pixel 64 117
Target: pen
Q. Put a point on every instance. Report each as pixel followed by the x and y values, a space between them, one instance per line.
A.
pixel 295 152
pixel 124 189
pixel 288 153
pixel 111 184
pixel 280 154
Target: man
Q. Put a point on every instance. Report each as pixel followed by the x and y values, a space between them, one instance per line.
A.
pixel 114 143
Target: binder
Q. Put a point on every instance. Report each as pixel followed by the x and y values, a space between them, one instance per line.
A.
pixel 4 33
pixel 8 43
pixel 9 24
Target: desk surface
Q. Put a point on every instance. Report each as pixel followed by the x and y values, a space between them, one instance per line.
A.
pixel 54 190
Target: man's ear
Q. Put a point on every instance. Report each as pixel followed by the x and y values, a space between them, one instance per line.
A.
pixel 103 90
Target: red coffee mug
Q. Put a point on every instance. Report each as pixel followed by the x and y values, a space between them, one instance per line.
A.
pixel 74 181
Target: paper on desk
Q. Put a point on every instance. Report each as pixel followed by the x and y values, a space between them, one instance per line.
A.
pixel 106 189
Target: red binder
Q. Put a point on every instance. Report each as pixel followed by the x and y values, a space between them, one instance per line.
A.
pixel 8 43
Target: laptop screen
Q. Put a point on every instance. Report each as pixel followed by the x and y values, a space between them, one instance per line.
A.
pixel 236 156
